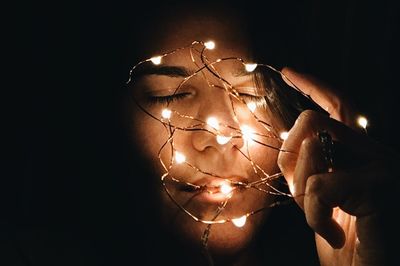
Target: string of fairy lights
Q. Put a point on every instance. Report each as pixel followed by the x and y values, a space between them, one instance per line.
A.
pixel 217 128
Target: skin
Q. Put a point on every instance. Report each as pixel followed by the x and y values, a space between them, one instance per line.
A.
pixel 342 212
pixel 201 148
pixel 344 207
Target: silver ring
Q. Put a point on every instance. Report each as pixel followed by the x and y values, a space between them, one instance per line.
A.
pixel 327 148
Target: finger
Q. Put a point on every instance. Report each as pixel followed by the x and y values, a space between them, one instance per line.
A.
pixel 344 256
pixel 330 100
pixel 308 124
pixel 321 196
pixel 310 161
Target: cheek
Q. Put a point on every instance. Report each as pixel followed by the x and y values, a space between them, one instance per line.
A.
pixel 152 140
pixel 149 135
pixel 263 147
pixel 266 158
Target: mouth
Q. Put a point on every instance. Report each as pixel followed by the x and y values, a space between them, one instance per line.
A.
pixel 212 190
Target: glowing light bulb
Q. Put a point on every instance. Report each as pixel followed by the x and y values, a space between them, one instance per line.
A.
pixel 240 222
pixel 362 121
pixel 179 157
pixel 252 106
pixel 156 60
pixel 284 135
pixel 247 132
pixel 250 67
pixel 209 45
pixel 223 139
pixel 225 188
pixel 213 122
pixel 166 113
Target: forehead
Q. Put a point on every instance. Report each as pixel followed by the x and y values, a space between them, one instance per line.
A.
pixel 227 33
pixel 231 69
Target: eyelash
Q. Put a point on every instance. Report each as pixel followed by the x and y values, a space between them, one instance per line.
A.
pixel 180 96
pixel 168 98
pixel 251 98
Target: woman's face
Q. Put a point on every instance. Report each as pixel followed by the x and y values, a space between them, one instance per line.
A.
pixel 208 116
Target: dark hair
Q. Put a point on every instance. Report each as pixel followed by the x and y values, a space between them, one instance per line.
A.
pixel 284 101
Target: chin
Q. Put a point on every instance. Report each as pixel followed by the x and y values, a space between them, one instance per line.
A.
pixel 224 239
pixel 227 239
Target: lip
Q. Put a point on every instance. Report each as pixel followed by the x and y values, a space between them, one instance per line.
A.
pixel 213 197
pixel 208 189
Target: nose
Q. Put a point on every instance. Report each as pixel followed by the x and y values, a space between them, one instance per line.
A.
pixel 222 126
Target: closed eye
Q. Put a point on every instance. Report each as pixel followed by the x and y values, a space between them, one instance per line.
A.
pixel 251 98
pixel 167 99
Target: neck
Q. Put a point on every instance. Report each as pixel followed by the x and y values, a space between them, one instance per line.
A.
pixel 245 257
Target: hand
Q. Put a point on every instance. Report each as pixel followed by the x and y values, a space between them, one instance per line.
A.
pixel 344 207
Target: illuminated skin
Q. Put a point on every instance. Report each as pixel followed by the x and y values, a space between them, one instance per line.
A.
pixel 317 192
pixel 200 148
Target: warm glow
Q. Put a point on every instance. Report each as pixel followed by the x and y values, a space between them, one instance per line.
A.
pixel 250 67
pixel 156 60
pixel 223 139
pixel 166 113
pixel 247 132
pixel 252 106
pixel 179 157
pixel 362 121
pixel 242 134
pixel 284 135
pixel 209 45
pixel 240 222
pixel 225 188
pixel 213 122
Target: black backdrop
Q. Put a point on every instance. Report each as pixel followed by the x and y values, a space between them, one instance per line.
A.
pixel 65 200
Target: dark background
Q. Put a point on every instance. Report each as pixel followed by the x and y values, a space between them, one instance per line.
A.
pixel 67 197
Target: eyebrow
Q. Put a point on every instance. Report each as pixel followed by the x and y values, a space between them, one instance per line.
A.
pixel 179 71
pixel 170 71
